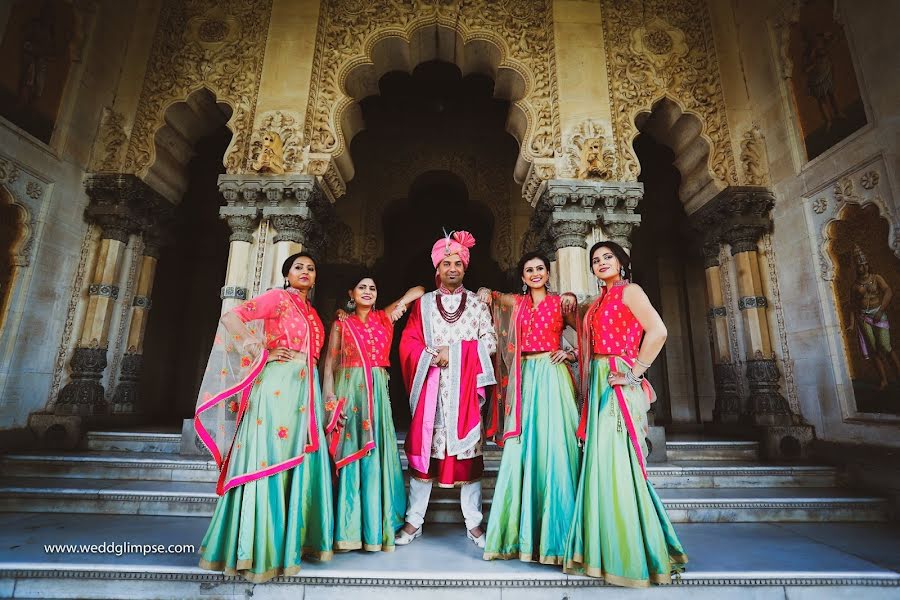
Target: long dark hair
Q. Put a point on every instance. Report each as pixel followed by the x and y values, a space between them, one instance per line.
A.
pixel 289 261
pixel 617 250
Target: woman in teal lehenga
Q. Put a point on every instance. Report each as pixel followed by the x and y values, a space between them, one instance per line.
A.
pixel 533 416
pixel 370 498
pixel 621 531
pixel 275 478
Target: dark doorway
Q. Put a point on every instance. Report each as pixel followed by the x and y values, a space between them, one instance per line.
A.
pixel 186 302
pixel 434 112
pixel 667 262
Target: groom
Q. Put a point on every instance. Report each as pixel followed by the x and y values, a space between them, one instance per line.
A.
pixel 445 358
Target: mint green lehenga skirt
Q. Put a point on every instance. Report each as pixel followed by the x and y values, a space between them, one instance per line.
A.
pixel 262 528
pixel 620 531
pixel 370 497
pixel 534 498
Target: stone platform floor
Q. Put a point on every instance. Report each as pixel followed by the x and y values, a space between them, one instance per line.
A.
pixel 784 560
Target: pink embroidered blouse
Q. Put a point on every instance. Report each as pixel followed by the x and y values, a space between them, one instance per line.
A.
pixel 289 320
pixel 614 328
pixel 542 325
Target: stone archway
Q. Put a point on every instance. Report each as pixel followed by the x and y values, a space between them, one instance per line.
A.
pixel 12 234
pixel 509 41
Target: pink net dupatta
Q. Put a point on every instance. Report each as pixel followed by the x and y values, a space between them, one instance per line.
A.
pixel 505 416
pixel 347 354
pixel 237 358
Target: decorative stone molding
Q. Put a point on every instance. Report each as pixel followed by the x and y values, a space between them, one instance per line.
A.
pixel 589 152
pixel 143 302
pixel 282 152
pixel 711 255
pixel 517 36
pixel 218 46
pixel 242 221
pixel 126 399
pixel 104 290
pixel 84 395
pixel 738 215
pixel 111 143
pixel 827 204
pixel 123 204
pixel 665 50
pixel 766 404
pixel 754 158
pixel 568 234
pixel 718 312
pixel 728 399
pixel 291 228
pixel 27 192
pixel 752 302
pixel 233 291
pixel 568 208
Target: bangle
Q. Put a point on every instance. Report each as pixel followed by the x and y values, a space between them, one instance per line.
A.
pixel 633 379
pixel 642 363
pixel 431 351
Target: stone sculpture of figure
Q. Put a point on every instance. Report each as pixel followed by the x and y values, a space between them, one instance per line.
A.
pixel 271 157
pixel 871 297
pixel 820 75
pixel 38 49
pixel 595 164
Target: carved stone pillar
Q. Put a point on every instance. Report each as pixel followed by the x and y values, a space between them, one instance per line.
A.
pixel 567 212
pixel 126 398
pixel 243 221
pixel 739 216
pixel 728 401
pixel 296 206
pixel 119 204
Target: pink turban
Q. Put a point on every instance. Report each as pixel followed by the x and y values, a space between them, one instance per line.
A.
pixel 457 242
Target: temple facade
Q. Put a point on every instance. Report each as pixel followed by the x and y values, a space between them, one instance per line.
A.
pixel 159 160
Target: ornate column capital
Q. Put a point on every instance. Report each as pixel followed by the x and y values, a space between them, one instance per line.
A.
pixel 711 254
pixel 241 220
pixel 123 204
pixel 738 215
pixel 569 233
pixel 620 229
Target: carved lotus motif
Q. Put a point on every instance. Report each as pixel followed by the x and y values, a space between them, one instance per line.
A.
pixel 820 205
pixel 659 42
pixel 869 180
pixel 212 31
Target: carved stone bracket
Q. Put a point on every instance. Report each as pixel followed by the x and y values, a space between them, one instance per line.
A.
pixel 568 209
pixel 728 401
pixel 123 204
pixel 296 205
pixel 126 398
pixel 84 395
pixel 738 215
pixel 710 255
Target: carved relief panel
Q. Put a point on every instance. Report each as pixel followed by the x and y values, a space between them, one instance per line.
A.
pixel 520 31
pixel 202 44
pixel 858 238
pixel 658 49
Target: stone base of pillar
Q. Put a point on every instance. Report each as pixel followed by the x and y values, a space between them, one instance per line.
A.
pixel 789 442
pixel 657 445
pixel 59 432
pixel 84 395
pixel 766 406
pixel 728 402
pixel 126 398
pixel 190 442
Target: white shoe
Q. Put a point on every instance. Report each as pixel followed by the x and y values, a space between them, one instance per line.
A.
pixel 478 541
pixel 403 538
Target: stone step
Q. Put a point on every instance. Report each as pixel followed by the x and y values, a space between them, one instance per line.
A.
pixel 126 441
pixel 692 505
pixel 724 450
pixel 133 441
pixel 157 466
pixel 756 561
